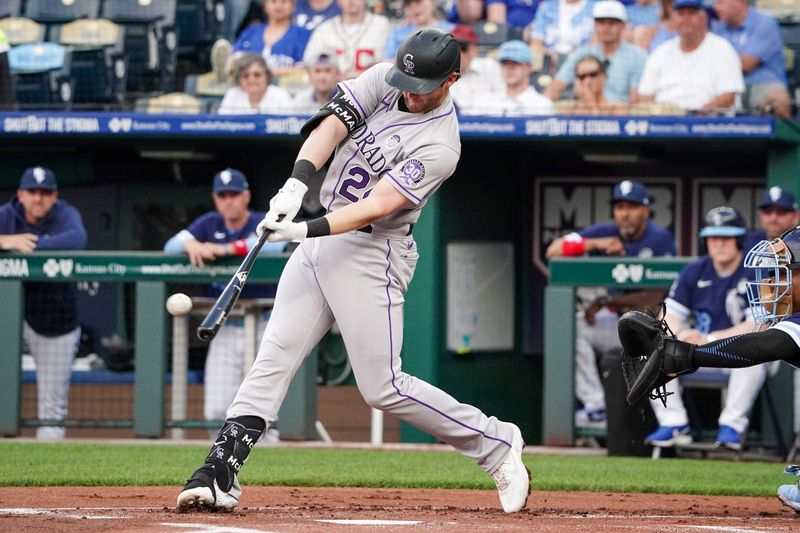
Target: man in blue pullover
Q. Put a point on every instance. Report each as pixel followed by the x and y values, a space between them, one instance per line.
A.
pixel 32 221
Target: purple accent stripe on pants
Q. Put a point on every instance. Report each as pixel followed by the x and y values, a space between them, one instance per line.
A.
pixel 391 358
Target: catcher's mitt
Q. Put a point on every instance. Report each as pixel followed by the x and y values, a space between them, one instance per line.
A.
pixel 651 356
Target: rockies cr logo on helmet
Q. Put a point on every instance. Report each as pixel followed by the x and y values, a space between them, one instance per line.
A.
pixel 408 64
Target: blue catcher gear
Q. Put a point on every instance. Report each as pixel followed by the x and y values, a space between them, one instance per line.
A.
pixel 770 294
pixel 724 222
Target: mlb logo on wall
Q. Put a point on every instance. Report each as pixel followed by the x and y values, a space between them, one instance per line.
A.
pixel 54 267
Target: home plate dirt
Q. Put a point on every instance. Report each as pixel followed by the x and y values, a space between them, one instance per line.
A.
pixel 294 509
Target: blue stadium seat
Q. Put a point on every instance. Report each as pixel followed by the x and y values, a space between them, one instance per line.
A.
pixel 199 24
pixel 55 12
pixel 41 76
pixel 10 8
pixel 99 66
pixel 151 42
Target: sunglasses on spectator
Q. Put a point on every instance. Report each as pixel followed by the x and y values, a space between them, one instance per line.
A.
pixel 592 74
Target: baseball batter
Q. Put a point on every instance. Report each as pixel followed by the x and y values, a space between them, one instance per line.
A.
pixel 393 136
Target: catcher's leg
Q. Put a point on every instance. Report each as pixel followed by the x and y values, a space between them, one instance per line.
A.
pixel 790 494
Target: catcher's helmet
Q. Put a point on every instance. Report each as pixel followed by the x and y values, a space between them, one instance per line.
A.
pixel 424 60
pixel 724 222
pixel 770 294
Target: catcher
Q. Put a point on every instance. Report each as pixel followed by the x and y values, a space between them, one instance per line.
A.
pixel 652 356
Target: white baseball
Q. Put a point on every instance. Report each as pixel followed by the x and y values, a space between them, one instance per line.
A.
pixel 179 304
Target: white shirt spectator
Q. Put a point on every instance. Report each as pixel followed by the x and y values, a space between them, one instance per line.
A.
pixel 481 83
pixel 357 46
pixel 691 80
pixel 276 101
pixel 528 102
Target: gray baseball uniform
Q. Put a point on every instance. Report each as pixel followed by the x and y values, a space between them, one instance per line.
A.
pixel 359 279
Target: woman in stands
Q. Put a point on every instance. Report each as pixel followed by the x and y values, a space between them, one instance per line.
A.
pixel 590 80
pixel 280 42
pixel 253 92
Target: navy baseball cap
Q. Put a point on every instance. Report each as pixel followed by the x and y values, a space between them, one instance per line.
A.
pixel 630 191
pixel 230 180
pixel 778 197
pixel 697 4
pixel 38 178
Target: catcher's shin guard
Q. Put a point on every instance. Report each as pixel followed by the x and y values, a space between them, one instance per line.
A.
pixel 214 486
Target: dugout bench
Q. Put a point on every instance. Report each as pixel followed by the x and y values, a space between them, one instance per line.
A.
pixel 151 273
pixel 566 274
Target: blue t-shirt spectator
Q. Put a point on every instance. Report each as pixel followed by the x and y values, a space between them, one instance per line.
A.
pixel 624 69
pixel 758 36
pixel 286 52
pixel 519 13
pixel 662 35
pixel 545 25
pixel 643 15
pixel 309 18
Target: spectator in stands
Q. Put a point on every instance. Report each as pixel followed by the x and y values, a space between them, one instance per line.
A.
pixel 515 13
pixel 227 231
pixel 590 97
pixel 643 13
pixel 357 36
pixel 323 74
pixel 757 39
pixel 625 61
pixel 650 37
pixel 695 314
pixel 558 28
pixel 467 12
pixel 36 220
pixel 280 42
pixel 696 71
pixel 631 234
pixel 253 93
pixel 311 13
pixel 481 79
pixel 235 14
pixel 418 14
pixel 519 97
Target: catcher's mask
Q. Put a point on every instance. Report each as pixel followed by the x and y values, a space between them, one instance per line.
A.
pixel 770 294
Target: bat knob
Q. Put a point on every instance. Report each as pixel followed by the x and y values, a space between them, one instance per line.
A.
pixel 205 334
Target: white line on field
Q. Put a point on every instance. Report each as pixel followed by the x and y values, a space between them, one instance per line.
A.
pixel 60 513
pixel 206 528
pixel 372 522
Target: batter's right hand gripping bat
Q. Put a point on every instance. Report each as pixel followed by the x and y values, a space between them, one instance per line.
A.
pixel 219 312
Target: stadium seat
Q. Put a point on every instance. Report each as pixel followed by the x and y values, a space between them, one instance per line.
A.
pixel 791 51
pixel 10 8
pixel 99 65
pixel 654 109
pixel 20 30
pixel 172 103
pixel 41 76
pixel 491 35
pixel 151 42
pixel 56 12
pixel 782 10
pixel 199 25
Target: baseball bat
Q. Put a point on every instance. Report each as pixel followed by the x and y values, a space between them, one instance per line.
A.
pixel 219 312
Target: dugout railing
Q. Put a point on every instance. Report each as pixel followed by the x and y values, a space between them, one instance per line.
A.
pixel 559 334
pixel 152 275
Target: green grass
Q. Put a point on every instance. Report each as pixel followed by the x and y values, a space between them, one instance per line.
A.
pixel 36 464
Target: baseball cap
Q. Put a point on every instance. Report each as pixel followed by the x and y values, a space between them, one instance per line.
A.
pixel 516 51
pixel 230 180
pixel 630 191
pixel 38 178
pixel 778 197
pixel 326 56
pixel 464 34
pixel 610 9
pixel 697 4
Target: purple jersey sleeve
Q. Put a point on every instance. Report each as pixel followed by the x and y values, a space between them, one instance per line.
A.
pixel 419 177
